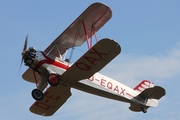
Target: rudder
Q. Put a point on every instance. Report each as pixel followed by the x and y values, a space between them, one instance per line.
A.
pixel 143 85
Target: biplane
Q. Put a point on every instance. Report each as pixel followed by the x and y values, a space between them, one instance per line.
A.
pixel 50 68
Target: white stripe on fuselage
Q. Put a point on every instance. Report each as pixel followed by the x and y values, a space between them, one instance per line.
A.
pixel 109 85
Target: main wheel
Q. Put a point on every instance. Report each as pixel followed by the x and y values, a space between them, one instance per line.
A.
pixel 53 79
pixel 37 94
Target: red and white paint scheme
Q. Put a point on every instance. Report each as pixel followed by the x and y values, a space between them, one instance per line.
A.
pixel 50 67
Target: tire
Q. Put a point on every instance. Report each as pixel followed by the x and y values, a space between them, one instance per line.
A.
pixel 144 110
pixel 53 79
pixel 37 94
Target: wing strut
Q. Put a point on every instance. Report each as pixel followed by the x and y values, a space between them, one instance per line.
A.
pixel 86 35
pixel 59 54
pixel 93 33
pixel 35 78
pixel 89 42
pixel 75 39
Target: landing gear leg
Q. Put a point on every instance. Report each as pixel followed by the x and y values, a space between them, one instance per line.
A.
pixel 37 93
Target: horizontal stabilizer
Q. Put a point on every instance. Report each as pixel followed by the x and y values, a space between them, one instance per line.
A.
pixel 92 61
pixel 155 93
pixel 151 98
pixel 137 107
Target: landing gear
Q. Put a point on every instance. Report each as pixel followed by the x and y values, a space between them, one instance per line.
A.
pixel 37 94
pixel 53 79
pixel 144 110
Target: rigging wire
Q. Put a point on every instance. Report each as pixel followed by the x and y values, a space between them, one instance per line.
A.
pixel 75 40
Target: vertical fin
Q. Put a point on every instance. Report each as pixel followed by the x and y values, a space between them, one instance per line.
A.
pixel 143 85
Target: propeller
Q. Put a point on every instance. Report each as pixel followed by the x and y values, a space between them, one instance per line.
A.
pixel 24 50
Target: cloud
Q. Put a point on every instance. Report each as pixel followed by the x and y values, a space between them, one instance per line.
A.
pixel 130 69
pixel 84 106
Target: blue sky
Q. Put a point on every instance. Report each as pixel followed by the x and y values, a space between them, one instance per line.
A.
pixel 148 32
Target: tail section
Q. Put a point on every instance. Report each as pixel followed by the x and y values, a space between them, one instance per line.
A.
pixel 152 95
pixel 149 93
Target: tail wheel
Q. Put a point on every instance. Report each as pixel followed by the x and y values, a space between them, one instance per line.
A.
pixel 53 79
pixel 144 110
pixel 37 94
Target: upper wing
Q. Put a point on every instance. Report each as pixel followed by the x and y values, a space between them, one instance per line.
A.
pixel 94 17
pixel 92 61
pixel 54 98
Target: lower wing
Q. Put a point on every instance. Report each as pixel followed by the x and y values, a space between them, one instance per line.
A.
pixel 92 61
pixel 54 98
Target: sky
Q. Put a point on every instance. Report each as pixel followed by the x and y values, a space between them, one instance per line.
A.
pixel 147 31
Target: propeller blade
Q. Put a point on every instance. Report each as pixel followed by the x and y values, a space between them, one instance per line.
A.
pixel 24 50
pixel 20 65
pixel 25 46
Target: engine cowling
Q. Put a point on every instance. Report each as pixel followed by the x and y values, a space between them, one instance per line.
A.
pixel 29 56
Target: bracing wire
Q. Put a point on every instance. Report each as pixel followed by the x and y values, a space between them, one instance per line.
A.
pixel 75 40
